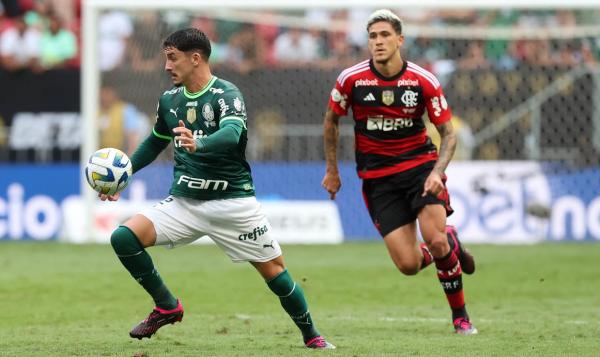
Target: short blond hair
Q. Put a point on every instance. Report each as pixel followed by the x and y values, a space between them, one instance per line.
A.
pixel 387 16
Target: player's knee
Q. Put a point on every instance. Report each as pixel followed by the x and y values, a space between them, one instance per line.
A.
pixel 408 269
pixel 438 246
pixel 124 242
pixel 282 284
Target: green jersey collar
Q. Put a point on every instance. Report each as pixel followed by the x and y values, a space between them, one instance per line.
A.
pixel 202 91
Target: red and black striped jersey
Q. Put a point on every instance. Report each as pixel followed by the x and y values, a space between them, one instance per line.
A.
pixel 390 134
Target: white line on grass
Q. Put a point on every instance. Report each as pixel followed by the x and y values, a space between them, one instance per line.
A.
pixel 402 319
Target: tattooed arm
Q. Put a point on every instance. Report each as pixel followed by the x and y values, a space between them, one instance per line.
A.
pixel 331 181
pixel 447 146
pixel 434 183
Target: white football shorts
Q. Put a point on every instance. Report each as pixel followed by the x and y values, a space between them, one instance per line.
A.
pixel 237 225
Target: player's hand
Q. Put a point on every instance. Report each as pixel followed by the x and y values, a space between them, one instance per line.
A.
pixel 433 184
pixel 184 137
pixel 331 183
pixel 114 197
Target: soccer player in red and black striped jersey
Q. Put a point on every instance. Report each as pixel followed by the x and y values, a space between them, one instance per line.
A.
pixel 402 171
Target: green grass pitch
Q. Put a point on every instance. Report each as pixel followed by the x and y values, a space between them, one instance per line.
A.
pixel 77 300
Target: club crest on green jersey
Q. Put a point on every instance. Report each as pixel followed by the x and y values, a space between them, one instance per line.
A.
pixel 208 114
pixel 191 115
pixel 237 104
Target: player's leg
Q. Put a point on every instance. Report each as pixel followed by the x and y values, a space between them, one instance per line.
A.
pixel 129 242
pixel 395 219
pixel 408 256
pixel 158 225
pixel 292 299
pixel 432 222
pixel 467 261
pixel 240 228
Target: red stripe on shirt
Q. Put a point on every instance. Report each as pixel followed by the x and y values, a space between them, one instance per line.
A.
pixel 403 166
pixel 392 147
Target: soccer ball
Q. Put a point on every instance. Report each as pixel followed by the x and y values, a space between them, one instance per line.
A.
pixel 108 171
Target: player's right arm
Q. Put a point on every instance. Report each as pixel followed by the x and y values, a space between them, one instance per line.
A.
pixel 331 132
pixel 148 150
pixel 339 102
pixel 157 141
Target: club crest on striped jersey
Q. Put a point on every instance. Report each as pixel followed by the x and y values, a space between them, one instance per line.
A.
pixel 409 98
pixel 387 97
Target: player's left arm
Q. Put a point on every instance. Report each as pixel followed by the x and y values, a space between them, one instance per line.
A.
pixel 447 146
pixel 232 123
pixel 228 136
pixel 435 181
pixel 440 115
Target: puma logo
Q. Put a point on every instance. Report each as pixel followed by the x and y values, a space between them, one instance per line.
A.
pixel 269 245
pixel 174 111
pixel 299 319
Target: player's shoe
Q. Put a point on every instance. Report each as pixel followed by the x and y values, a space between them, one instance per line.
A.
pixel 467 262
pixel 157 319
pixel 463 326
pixel 319 343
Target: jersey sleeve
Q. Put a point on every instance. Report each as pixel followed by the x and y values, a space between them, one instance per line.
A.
pixel 340 97
pixel 223 139
pixel 160 129
pixel 231 106
pixel 437 107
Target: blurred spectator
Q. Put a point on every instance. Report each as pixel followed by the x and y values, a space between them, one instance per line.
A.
pixel 457 47
pixel 425 51
pixel 268 33
pixel 66 11
pixel 146 38
pixel 590 51
pixel 115 29
pixel 568 54
pixel 219 51
pixel 474 58
pixel 247 50
pixel 175 19
pixel 296 47
pixel 339 53
pixel 357 35
pixel 226 29
pixel 121 124
pixel 317 21
pixel 532 53
pixel 19 46
pixel 58 45
pixel 36 15
pixel 496 50
pixel 10 7
pixel 267 135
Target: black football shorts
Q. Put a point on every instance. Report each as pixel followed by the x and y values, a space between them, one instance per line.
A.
pixel 396 200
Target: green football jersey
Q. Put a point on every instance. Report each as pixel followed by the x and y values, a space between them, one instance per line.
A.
pixel 209 175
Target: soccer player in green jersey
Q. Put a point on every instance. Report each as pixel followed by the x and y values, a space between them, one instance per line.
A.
pixel 212 192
